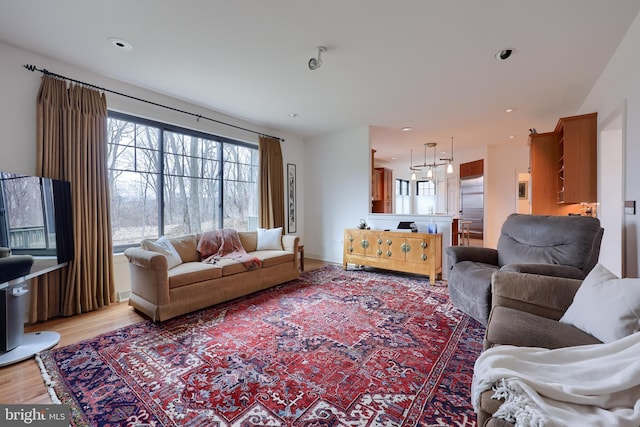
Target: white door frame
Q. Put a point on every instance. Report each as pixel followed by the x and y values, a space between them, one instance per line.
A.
pixel 611 190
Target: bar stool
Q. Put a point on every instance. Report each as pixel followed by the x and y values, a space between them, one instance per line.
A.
pixel 464 233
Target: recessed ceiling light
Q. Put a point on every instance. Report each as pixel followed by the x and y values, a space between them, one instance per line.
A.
pixel 510 110
pixel 293 115
pixel 120 43
pixel 511 136
pixel 503 54
pixel 406 129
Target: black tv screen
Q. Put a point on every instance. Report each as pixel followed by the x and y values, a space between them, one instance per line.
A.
pixel 36 216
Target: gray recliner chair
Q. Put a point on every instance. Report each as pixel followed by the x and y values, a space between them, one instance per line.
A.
pixel 561 246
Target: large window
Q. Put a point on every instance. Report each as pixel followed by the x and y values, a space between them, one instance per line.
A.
pixel 170 181
pixel 426 201
pixel 403 199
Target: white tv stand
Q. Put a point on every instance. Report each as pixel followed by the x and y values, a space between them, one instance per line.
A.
pixel 31 343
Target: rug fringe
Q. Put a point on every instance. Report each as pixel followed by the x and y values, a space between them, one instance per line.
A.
pixel 47 380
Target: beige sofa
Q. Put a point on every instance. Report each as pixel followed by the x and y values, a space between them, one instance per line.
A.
pixel 162 293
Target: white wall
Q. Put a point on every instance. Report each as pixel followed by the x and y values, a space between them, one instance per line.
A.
pixel 620 83
pixel 337 185
pixel 19 88
pixel 500 180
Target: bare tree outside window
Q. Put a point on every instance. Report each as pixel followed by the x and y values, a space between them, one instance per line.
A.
pixel 133 154
pixel 170 181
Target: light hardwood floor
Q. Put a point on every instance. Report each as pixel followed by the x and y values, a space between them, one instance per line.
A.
pixel 23 383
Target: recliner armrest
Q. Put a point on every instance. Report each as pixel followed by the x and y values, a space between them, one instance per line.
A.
pixel 556 270
pixel 545 296
pixel 472 253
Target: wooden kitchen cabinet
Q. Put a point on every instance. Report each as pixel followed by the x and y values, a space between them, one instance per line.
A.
pixel 577 166
pixel 563 166
pixel 383 189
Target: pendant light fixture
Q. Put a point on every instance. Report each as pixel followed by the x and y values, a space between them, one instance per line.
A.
pixel 432 167
pixel 450 159
pixel 411 168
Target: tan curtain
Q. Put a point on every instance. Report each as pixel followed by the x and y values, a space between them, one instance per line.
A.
pixel 71 145
pixel 271 183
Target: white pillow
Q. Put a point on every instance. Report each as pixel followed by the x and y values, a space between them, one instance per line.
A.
pixel 269 238
pixel 163 246
pixel 605 306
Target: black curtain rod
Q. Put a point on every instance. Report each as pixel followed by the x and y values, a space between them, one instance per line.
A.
pixel 197 116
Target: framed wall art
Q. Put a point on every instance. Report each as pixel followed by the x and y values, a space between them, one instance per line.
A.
pixel 291 198
pixel 522 190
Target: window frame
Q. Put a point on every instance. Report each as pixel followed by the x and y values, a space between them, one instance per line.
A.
pixel 430 187
pixel 167 127
pixel 403 184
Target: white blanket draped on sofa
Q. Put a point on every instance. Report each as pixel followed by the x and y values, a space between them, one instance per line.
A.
pixel 591 385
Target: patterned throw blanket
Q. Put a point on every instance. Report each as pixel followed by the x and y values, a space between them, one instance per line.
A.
pixel 225 244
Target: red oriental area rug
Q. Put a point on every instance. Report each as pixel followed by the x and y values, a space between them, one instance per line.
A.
pixel 333 348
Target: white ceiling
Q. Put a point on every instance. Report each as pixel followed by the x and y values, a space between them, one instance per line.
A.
pixel 428 64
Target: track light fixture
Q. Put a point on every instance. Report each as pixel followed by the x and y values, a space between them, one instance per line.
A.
pixel 315 63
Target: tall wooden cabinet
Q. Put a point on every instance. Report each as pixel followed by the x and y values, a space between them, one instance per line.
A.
pixel 564 166
pixel 382 189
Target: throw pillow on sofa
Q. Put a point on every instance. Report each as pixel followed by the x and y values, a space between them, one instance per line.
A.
pixel 163 246
pixel 605 306
pixel 269 238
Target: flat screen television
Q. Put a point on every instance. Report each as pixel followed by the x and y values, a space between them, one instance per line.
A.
pixel 36 216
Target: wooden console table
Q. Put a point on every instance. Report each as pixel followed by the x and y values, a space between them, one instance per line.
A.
pixel 419 253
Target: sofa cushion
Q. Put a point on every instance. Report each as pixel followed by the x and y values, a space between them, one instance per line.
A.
pixel 270 258
pixel 230 266
pixel 605 305
pixel 193 272
pixel 164 247
pixel 186 247
pixel 249 240
pixel 269 239
pixel 509 326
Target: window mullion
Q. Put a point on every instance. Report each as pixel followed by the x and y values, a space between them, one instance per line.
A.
pixel 221 185
pixel 160 191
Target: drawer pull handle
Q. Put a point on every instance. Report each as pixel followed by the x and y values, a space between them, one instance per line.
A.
pixel 389 253
pixel 379 252
pixel 379 241
pixel 424 257
pixel 424 245
pixel 364 244
pixel 350 249
pixel 389 242
pixel 405 247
